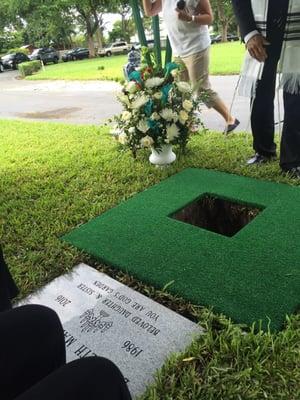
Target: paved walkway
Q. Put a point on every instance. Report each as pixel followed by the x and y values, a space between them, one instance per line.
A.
pixel 92 102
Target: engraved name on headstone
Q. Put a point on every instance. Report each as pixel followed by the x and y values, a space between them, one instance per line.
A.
pixel 103 317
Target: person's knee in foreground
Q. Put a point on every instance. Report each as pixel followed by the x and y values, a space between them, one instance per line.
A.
pixel 187 29
pixel 269 46
pixel 33 356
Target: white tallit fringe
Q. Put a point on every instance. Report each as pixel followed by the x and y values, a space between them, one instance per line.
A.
pixel 251 73
pixel 289 64
pixel 290 82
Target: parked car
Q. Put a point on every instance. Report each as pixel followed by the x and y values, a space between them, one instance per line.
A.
pixel 1 66
pixel 137 45
pixel 218 38
pixel 115 48
pixel 76 54
pixel 11 61
pixel 45 54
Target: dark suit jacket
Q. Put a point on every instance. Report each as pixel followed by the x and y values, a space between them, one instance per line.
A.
pixel 244 15
pixel 8 289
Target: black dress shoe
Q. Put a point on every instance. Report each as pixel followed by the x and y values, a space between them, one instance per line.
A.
pixel 231 127
pixel 292 172
pixel 260 159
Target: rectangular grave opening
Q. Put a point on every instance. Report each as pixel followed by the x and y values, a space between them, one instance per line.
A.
pixel 217 215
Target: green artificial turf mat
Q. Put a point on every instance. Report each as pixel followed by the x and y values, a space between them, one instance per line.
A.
pixel 253 275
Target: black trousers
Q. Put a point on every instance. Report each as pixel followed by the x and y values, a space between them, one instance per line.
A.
pixel 32 362
pixel 262 115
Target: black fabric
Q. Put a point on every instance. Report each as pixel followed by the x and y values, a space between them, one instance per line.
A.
pixel 32 362
pixel 32 346
pixel 244 15
pixel 8 288
pixel 262 115
pixel 92 378
pixel 290 139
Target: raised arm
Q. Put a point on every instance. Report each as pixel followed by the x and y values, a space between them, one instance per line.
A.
pixel 152 8
pixel 204 14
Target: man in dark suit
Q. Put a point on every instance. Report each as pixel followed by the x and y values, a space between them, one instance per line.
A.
pixel 264 41
pixel 8 289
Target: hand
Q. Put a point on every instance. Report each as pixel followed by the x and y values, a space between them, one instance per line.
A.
pixel 256 47
pixel 183 15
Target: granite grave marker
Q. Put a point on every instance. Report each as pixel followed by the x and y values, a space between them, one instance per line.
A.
pixel 101 316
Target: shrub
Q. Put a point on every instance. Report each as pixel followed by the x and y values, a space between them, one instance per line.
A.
pixel 19 50
pixel 28 68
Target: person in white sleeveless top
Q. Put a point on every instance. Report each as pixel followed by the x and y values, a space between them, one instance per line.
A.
pixel 187 30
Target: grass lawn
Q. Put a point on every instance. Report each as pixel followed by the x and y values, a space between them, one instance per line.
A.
pixel 226 59
pixel 54 177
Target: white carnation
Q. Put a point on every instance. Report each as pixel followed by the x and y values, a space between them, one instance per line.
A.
pixel 184 87
pixel 172 132
pixel 140 102
pixel 115 130
pixel 147 141
pixel 143 126
pixel 153 82
pixel 167 114
pixel 124 99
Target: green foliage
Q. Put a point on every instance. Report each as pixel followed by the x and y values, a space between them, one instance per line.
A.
pixel 123 30
pixel 29 68
pixel 10 40
pixel 19 50
pixel 224 19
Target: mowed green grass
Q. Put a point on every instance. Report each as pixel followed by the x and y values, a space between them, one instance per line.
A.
pixel 55 177
pixel 226 59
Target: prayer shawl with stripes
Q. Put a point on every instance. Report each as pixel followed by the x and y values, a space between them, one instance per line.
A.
pixel 289 63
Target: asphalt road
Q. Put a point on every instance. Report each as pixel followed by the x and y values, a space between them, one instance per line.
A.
pixel 93 102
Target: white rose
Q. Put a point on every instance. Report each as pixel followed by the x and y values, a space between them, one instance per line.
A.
pixel 175 72
pixel 122 138
pixel 126 116
pixel 155 116
pixel 140 101
pixel 153 82
pixel 187 105
pixel 157 95
pixel 131 130
pixel 167 114
pixel 131 87
pixel 143 126
pixel 147 141
pixel 172 132
pixel 184 87
pixel 183 117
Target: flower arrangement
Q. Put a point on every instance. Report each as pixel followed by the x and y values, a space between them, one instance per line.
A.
pixel 159 109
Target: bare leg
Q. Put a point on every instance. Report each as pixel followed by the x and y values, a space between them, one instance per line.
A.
pixel 222 109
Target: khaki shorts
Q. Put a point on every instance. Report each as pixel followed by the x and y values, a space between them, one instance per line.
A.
pixel 197 72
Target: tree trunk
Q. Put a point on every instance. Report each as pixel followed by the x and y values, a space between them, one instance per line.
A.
pixel 99 38
pixel 91 45
pixel 90 37
pixel 224 31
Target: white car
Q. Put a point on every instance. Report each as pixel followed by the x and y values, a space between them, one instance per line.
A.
pixel 114 48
